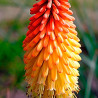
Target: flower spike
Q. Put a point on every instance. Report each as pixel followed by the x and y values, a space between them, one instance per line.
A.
pixel 52 51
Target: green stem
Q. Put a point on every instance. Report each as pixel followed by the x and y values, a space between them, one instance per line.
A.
pixel 90 77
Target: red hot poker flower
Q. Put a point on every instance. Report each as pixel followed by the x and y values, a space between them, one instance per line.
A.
pixel 52 51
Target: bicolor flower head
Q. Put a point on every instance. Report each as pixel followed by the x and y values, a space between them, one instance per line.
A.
pixel 52 51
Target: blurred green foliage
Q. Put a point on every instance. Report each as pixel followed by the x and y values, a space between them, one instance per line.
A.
pixel 11 51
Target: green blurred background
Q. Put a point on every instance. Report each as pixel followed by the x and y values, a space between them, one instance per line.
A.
pixel 14 19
